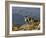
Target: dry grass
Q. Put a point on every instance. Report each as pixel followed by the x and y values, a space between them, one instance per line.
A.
pixel 32 26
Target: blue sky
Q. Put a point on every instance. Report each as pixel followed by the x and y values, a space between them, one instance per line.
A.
pixel 18 13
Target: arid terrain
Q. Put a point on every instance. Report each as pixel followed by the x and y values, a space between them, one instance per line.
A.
pixel 33 26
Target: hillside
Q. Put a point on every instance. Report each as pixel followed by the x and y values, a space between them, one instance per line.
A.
pixel 33 26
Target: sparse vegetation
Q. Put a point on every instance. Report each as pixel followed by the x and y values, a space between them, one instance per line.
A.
pixel 29 26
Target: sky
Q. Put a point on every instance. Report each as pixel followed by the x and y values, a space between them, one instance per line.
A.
pixel 18 14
